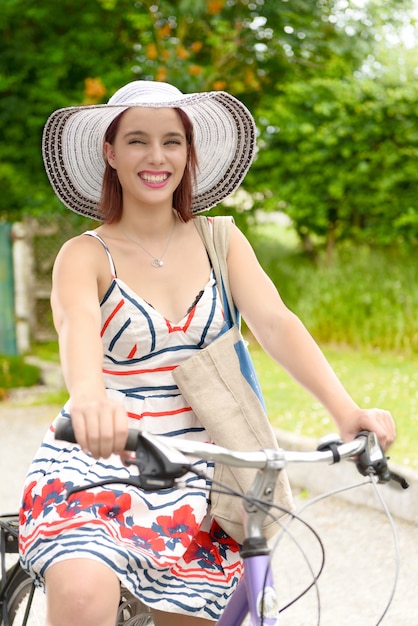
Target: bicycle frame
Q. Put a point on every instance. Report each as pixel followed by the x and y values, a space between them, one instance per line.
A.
pixel 255 595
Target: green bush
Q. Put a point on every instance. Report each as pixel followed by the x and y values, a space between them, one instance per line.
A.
pixel 14 372
pixel 365 298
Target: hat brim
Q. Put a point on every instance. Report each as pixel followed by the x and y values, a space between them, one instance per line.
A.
pixel 73 138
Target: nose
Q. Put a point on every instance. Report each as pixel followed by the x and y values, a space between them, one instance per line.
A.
pixel 156 153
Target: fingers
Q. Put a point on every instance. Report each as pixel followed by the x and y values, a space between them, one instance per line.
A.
pixel 380 422
pixel 385 428
pixel 120 429
pixel 100 427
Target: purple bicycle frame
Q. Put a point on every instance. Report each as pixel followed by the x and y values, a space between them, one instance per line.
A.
pixel 254 594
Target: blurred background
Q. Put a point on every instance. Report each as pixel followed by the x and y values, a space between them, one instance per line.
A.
pixel 330 204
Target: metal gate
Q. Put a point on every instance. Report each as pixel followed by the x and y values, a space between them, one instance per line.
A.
pixel 7 309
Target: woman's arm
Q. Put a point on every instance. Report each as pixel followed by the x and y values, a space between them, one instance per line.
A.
pixel 283 336
pixel 100 424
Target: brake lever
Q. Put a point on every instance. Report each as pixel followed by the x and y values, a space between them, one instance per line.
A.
pixel 372 461
pixel 399 479
pixel 159 465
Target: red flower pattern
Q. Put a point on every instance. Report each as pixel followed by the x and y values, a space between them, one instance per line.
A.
pixel 204 552
pixel 52 494
pixel 75 504
pixel 178 527
pixel 146 538
pixel 222 540
pixel 113 505
pixel 209 549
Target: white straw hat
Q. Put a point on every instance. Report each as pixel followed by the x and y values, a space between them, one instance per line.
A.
pixel 73 138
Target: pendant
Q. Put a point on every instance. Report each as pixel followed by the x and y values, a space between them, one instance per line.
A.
pixel 157 263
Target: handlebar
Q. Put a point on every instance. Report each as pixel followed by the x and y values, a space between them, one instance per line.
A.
pixel 161 459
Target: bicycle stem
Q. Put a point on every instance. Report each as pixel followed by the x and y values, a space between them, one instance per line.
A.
pixel 262 489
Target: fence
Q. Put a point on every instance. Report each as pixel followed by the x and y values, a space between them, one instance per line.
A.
pixel 36 242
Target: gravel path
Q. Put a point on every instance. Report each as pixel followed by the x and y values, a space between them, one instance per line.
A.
pixel 359 568
pixel 360 561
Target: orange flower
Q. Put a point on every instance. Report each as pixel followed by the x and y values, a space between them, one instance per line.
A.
pixel 215 6
pixel 94 90
pixel 182 52
pixel 152 52
pixel 161 74
pixel 219 85
pixel 164 31
pixel 196 46
pixel 195 70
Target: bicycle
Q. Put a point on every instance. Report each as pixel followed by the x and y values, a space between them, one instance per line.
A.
pixel 162 462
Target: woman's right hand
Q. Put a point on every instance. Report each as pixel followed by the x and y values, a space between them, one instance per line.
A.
pixel 100 426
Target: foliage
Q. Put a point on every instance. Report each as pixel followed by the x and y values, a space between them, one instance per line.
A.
pixel 79 51
pixel 241 45
pixel 52 55
pixel 14 372
pixel 339 157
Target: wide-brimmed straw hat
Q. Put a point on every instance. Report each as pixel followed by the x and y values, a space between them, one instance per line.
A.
pixel 73 139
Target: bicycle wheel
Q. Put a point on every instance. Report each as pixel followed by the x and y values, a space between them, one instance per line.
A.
pixel 25 603
pixel 131 611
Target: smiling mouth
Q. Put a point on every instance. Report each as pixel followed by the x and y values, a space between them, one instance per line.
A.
pixel 154 178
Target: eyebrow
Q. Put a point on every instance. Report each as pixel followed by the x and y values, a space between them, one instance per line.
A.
pixel 142 133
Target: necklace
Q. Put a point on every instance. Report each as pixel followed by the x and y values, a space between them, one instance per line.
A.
pixel 156 261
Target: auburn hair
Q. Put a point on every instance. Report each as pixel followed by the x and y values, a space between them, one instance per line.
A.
pixel 111 200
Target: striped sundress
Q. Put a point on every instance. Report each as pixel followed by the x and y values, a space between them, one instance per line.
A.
pixel 163 546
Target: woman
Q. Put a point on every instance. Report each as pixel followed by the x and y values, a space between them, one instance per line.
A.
pixel 131 300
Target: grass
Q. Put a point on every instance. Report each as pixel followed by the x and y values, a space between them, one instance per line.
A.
pixel 366 298
pixel 374 379
pixel 51 398
pixel 364 303
pixel 46 351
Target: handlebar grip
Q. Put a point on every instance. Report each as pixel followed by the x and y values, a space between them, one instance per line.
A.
pixel 132 440
pixel 64 431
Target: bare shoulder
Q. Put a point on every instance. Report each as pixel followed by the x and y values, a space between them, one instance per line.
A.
pixel 81 258
pixel 80 249
pixel 240 248
pixel 80 243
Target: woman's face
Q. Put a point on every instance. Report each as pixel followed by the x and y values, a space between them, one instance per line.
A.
pixel 149 154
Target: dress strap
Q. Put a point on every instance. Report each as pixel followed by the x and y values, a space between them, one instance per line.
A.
pixel 92 233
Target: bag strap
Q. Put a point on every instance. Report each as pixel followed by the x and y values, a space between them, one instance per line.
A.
pixel 217 244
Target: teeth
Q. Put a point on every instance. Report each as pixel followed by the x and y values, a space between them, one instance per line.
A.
pixel 154 178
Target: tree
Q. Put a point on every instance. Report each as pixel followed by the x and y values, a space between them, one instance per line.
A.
pixel 79 51
pixel 241 45
pixel 339 157
pixel 52 55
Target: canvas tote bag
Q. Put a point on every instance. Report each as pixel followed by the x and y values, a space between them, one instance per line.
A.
pixel 220 384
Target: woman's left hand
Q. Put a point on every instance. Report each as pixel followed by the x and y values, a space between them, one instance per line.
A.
pixel 378 421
